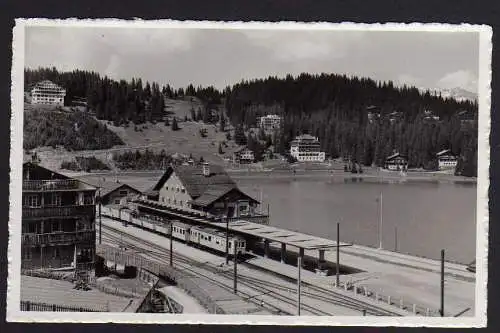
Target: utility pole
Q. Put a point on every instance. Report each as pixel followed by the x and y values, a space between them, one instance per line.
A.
pixel 227 232
pixel 395 239
pixel 442 284
pixel 381 222
pixel 235 259
pixel 171 244
pixel 338 255
pixel 299 265
pixel 100 217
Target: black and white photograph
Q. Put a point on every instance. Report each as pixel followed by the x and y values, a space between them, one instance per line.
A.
pixel 249 173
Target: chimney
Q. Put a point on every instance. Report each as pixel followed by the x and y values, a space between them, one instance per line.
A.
pixel 206 169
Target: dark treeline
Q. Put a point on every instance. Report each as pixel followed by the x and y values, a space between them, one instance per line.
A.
pixel 84 164
pixel 335 109
pixel 119 101
pixel 332 107
pixel 146 160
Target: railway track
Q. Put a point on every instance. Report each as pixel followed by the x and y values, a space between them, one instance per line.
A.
pixel 193 268
pixel 265 287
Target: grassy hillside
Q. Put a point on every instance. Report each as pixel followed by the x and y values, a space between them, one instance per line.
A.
pixel 153 136
pixel 73 130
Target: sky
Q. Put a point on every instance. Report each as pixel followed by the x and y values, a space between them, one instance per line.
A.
pixel 221 57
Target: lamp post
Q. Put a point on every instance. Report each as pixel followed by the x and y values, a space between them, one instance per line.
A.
pixel 100 217
pixel 235 289
pixel 171 243
pixel 441 311
pixel 227 231
pixel 299 265
pixel 338 257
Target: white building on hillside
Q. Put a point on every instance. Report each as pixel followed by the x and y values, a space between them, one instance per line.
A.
pixel 446 160
pixel 306 148
pixel 270 122
pixel 47 92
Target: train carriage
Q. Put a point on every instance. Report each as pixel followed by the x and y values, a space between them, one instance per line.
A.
pixel 181 231
pixel 216 239
pixel 125 216
pixel 240 244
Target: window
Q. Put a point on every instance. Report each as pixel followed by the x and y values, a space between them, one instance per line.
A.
pixel 53 199
pixel 26 253
pixel 56 253
pixel 31 201
pixel 183 190
pixel 166 187
pixel 31 228
pixel 123 192
pixel 88 199
pixel 55 226
pixel 117 201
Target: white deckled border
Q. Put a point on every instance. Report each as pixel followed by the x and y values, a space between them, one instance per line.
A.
pixel 16 160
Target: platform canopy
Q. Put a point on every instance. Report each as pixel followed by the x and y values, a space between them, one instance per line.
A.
pixel 273 234
pixel 284 236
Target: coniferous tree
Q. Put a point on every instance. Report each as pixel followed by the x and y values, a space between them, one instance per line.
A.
pixel 175 126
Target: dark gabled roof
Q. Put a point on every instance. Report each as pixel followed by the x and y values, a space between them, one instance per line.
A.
pixel 214 193
pixel 44 173
pixel 393 156
pixel 110 187
pixel 444 152
pixel 194 181
pixel 107 186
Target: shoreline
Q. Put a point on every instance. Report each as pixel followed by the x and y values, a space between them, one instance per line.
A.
pixel 370 176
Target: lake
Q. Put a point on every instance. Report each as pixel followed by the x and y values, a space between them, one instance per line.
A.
pixel 429 216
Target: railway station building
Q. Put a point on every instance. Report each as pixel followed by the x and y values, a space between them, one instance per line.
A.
pixel 206 188
pixel 58 220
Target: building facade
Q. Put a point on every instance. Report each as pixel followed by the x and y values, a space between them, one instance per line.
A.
pixel 446 160
pixel 396 162
pixel 205 188
pixel 58 220
pixel 306 148
pixel 244 156
pixel 270 123
pixel 47 92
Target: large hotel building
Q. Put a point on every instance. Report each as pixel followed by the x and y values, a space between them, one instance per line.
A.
pixel 270 123
pixel 47 92
pixel 306 148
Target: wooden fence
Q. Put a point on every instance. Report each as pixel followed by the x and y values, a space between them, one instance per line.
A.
pixel 35 306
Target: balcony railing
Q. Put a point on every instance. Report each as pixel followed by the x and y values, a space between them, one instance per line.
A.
pixel 50 185
pixel 58 211
pixel 58 238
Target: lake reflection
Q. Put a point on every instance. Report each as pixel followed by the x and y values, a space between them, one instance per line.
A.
pixel 429 215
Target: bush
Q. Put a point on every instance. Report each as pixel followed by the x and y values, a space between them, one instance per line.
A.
pixel 84 164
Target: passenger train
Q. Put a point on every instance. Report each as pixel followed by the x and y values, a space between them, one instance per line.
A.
pixel 201 236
